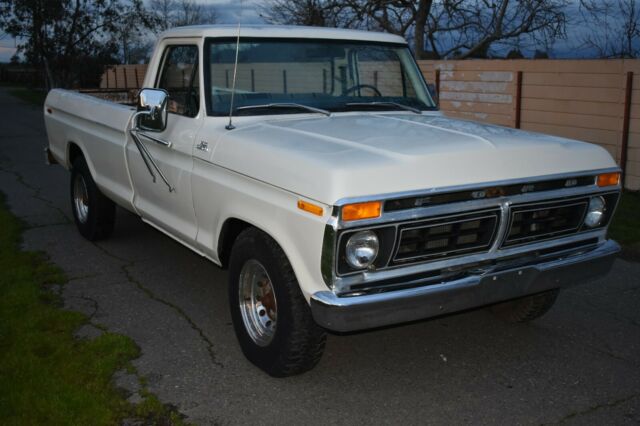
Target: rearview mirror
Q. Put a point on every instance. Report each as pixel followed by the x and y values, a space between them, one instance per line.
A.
pixel 153 104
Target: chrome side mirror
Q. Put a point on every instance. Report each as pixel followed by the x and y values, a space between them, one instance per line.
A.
pixel 152 109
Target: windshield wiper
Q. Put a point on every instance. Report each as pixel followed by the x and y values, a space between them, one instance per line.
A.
pixel 393 104
pixel 285 105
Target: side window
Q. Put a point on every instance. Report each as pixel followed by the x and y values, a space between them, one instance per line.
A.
pixel 179 77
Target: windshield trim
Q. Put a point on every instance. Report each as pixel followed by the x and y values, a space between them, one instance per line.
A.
pixel 206 70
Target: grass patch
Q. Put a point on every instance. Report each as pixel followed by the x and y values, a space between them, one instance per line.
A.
pixel 46 375
pixel 32 96
pixel 625 227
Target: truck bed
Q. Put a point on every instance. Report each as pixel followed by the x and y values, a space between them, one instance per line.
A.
pixel 98 128
pixel 120 96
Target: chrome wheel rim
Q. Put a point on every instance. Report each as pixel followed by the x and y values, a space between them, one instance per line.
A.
pixel 258 304
pixel 81 198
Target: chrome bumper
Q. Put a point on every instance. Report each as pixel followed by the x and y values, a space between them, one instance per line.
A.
pixel 352 313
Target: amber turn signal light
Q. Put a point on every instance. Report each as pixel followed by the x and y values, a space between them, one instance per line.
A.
pixel 608 179
pixel 358 211
pixel 310 207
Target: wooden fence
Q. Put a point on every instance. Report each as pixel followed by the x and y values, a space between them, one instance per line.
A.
pixel 123 77
pixel 592 100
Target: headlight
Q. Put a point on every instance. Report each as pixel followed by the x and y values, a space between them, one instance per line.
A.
pixel 362 249
pixel 595 212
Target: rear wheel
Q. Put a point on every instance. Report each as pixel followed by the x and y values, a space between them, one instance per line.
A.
pixel 271 318
pixel 93 212
pixel 526 308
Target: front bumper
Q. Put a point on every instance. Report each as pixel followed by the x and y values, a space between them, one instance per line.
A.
pixel 351 313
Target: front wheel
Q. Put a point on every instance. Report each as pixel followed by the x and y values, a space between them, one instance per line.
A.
pixel 271 318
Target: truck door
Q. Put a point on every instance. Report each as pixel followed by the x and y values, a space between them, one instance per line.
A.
pixel 171 209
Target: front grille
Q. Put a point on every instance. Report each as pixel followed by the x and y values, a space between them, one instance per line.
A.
pixel 446 237
pixel 539 221
pixel 485 192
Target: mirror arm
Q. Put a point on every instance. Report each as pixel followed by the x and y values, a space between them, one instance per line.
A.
pixel 144 153
pixel 138 143
pixel 135 120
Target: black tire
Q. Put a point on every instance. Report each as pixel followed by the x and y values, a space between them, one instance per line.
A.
pixel 526 308
pixel 297 343
pixel 93 212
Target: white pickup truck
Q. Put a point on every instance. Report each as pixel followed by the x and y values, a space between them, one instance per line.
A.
pixel 315 166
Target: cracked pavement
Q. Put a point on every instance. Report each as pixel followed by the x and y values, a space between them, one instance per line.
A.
pixel 578 364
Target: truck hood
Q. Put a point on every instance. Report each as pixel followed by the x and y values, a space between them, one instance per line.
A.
pixel 362 154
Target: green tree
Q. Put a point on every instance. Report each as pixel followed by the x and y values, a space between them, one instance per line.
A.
pixel 69 40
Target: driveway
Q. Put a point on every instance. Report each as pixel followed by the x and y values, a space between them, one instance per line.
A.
pixel 578 364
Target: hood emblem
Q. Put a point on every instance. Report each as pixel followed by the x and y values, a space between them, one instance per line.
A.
pixel 488 193
pixel 203 146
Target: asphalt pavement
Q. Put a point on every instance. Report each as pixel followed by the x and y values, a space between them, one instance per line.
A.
pixel 579 364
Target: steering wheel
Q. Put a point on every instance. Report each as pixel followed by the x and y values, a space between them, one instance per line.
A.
pixel 362 86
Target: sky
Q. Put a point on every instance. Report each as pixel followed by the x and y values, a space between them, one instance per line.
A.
pixel 230 11
pixel 7 49
pixel 247 12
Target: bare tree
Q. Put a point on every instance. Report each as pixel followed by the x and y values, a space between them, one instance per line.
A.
pixel 469 28
pixel 164 10
pixel 615 27
pixel 178 13
pixel 438 28
pixel 317 13
pixel 194 13
pixel 131 33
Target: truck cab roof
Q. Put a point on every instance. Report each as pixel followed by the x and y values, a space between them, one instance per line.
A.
pixel 281 31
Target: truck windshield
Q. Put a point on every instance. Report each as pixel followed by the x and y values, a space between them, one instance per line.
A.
pixel 284 76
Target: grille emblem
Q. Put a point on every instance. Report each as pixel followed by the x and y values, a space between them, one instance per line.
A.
pixel 528 188
pixel 422 201
pixel 495 192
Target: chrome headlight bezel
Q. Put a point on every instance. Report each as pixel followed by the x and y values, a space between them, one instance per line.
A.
pixel 386 240
pixel 595 212
pixel 362 249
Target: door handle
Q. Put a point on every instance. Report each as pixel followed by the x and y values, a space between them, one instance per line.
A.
pixel 156 140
